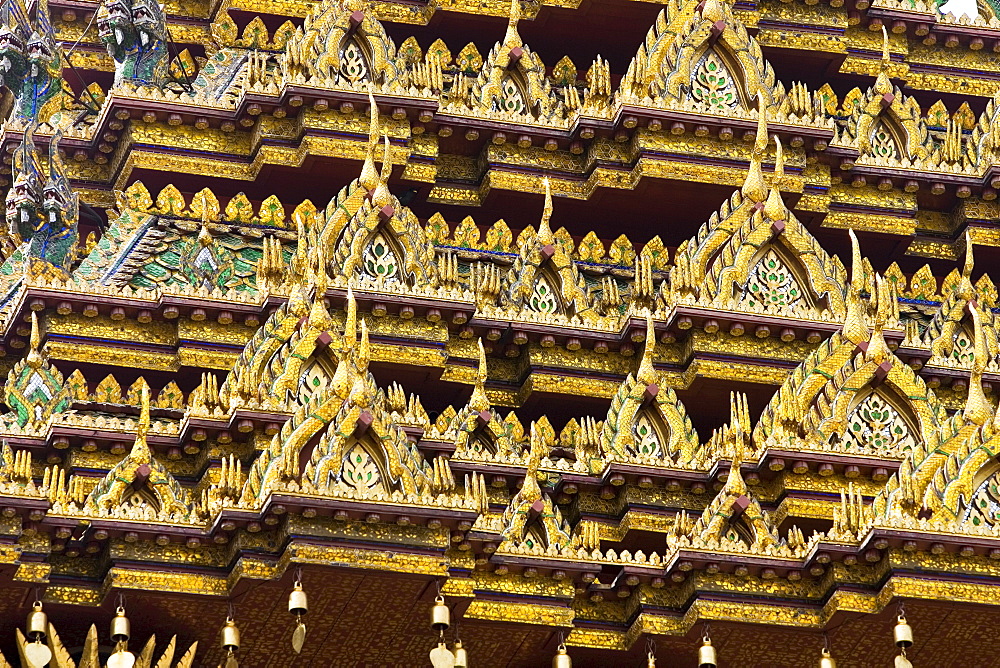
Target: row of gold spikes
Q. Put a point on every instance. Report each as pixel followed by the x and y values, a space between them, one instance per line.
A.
pixel 498 237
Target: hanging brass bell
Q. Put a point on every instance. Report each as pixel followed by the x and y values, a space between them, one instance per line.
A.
pixel 298 604
pixel 38 622
pixel 706 654
pixel 826 661
pixel 461 656
pixel 230 635
pixel 562 659
pixel 440 615
pixel 121 629
pixel 903 633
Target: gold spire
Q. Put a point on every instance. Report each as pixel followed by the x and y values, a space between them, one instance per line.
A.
pixel 369 177
pixel 35 359
pixel 977 406
pixel 479 401
pixel 754 188
pixel 545 235
pixel 647 373
pixel 855 325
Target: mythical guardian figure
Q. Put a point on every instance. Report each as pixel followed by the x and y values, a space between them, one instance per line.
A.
pixel 43 217
pixel 31 62
pixel 135 33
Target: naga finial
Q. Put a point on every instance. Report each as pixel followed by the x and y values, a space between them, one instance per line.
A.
pixel 774 207
pixel 647 373
pixel 351 321
pixel 885 47
pixel 479 401
pixel 381 196
pixel 140 450
pixel 977 406
pixel 882 83
pixel 545 235
pixel 511 38
pixel 318 315
pixel 530 489
pixel 34 358
pixel 965 288
pixel 369 176
pixel 754 187
pixel 364 349
pixel 878 350
pixel 779 160
pixel 855 325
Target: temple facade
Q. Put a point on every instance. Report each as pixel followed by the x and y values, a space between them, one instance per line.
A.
pixel 494 333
